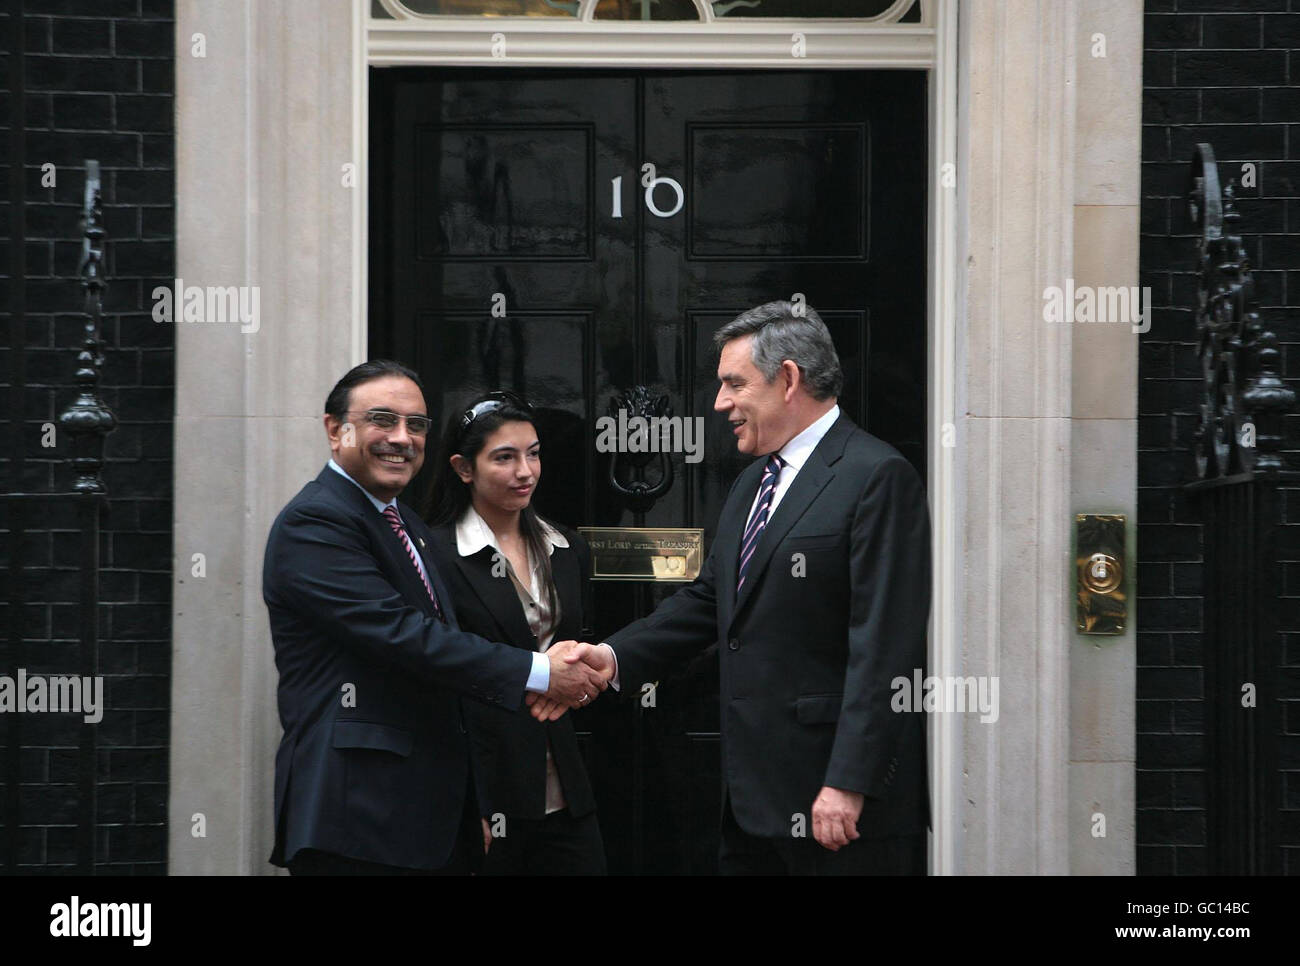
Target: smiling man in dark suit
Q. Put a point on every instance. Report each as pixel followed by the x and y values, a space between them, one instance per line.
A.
pixel 817 592
pixel 373 773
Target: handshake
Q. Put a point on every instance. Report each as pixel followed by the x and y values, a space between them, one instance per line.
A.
pixel 579 672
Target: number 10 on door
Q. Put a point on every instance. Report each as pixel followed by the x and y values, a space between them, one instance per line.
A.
pixel 649 181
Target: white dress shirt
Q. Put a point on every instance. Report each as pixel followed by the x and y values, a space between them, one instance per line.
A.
pixel 539 678
pixel 794 454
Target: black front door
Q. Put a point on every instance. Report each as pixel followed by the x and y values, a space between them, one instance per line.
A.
pixel 519 240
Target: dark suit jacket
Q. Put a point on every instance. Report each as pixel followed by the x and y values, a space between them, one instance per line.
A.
pixel 834 607
pixel 509 750
pixel 381 776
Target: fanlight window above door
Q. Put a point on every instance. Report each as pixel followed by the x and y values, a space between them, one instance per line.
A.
pixel 411 9
pixel 707 11
pixel 647 10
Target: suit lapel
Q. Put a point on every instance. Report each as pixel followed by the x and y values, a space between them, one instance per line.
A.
pixel 731 527
pixel 382 533
pixel 422 540
pixel 808 484
pixel 810 481
pixel 498 595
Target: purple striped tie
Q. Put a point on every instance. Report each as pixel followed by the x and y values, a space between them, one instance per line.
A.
pixel 754 529
pixel 390 513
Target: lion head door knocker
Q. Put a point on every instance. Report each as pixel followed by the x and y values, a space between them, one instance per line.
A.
pixel 639 417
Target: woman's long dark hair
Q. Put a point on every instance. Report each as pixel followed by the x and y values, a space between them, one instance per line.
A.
pixel 449 496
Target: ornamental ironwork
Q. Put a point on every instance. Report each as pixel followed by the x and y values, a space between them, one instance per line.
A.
pixel 1243 398
pixel 87 419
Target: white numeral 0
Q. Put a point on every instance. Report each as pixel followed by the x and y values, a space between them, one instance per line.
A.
pixel 650 181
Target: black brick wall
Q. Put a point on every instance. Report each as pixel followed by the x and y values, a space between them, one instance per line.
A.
pixel 98 79
pixel 1226 72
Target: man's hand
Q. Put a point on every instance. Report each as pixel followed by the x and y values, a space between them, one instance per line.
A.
pixel 575 681
pixel 835 817
pixel 591 667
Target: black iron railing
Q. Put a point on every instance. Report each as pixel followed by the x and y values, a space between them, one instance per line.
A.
pixel 1240 478
pixel 87 421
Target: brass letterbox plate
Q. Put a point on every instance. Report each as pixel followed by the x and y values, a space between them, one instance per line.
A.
pixel 661 554
pixel 1101 601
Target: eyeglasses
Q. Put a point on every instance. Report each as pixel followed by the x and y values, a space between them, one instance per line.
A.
pixel 416 425
pixel 495 400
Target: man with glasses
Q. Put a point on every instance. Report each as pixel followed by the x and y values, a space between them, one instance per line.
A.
pixel 373 775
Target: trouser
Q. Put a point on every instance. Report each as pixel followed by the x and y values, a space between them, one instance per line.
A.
pixel 558 844
pixel 745 854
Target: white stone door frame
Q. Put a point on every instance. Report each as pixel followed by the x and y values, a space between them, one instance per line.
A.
pixel 770 45
pixel 266 124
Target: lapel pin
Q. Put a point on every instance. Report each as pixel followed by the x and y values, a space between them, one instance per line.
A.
pixel 421 539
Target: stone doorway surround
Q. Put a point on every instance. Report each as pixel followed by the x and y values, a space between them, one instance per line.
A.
pixel 1042 139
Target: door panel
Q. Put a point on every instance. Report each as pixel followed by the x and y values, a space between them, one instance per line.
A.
pixel 502 183
pixel 736 216
pixel 466 181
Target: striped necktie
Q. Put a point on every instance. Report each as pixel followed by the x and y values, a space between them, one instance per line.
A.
pixel 757 522
pixel 390 514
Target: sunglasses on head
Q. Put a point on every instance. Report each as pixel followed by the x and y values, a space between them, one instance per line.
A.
pixel 494 401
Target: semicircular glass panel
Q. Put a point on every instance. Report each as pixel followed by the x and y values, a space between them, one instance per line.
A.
pixel 647 10
pixel 809 9
pixel 480 8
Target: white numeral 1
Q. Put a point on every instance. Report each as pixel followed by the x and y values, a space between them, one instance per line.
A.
pixel 618 196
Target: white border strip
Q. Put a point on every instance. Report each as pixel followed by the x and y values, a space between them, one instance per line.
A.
pixel 361 190
pixel 946 405
pixel 570 43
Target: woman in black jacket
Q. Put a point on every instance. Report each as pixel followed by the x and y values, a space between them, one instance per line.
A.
pixel 518 579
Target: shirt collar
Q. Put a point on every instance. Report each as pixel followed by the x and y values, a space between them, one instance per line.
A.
pixel 378 504
pixel 796 452
pixel 473 534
